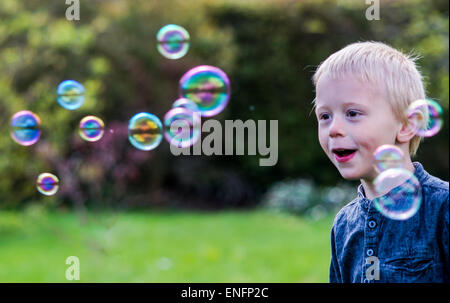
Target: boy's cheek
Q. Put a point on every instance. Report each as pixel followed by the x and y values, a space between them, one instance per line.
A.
pixel 324 144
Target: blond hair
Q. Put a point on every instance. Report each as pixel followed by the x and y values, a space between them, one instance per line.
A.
pixel 378 63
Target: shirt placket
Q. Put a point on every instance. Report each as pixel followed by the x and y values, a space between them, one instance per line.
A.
pixel 371 230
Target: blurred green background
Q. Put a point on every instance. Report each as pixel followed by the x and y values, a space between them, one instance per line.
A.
pixel 135 216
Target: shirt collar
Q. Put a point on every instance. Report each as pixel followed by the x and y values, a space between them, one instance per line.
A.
pixel 361 193
pixel 420 173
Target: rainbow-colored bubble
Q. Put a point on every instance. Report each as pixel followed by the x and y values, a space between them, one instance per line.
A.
pixel 173 41
pixel 185 103
pixel 400 194
pixel 70 94
pixel 145 131
pixel 388 156
pixel 26 127
pixel 208 87
pixel 91 128
pixel 47 184
pixel 426 117
pixel 182 127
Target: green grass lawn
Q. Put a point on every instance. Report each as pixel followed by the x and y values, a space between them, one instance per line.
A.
pixel 233 246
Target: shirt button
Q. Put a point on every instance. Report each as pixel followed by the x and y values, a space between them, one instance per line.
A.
pixel 372 224
pixel 369 252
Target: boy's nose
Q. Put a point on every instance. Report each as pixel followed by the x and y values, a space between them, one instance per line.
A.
pixel 336 128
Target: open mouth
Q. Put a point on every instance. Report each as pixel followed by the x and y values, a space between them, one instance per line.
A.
pixel 343 155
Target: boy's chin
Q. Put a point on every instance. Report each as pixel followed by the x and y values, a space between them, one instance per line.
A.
pixel 356 176
pixel 349 175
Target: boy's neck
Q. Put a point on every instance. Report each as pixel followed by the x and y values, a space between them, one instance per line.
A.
pixel 369 186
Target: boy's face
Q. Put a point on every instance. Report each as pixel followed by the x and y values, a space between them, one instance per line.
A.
pixel 354 119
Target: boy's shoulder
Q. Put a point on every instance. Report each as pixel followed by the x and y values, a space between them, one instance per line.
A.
pixel 350 213
pixel 428 180
pixel 436 193
pixel 435 184
pixel 435 190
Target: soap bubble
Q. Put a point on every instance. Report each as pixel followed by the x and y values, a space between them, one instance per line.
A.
pixel 91 128
pixel 185 103
pixel 25 127
pixel 400 193
pixel 388 156
pixel 208 87
pixel 145 131
pixel 182 127
pixel 426 116
pixel 70 94
pixel 47 184
pixel 173 41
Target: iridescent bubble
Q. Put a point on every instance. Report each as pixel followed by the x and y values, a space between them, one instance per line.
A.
pixel 70 94
pixel 25 127
pixel 208 87
pixel 145 131
pixel 185 103
pixel 182 127
pixel 388 156
pixel 426 117
pixel 173 41
pixel 47 184
pixel 91 128
pixel 400 193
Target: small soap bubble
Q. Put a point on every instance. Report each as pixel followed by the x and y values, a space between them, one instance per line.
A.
pixel 208 87
pixel 47 184
pixel 400 193
pixel 70 94
pixel 426 116
pixel 388 156
pixel 145 131
pixel 26 127
pixel 173 41
pixel 185 103
pixel 91 128
pixel 182 127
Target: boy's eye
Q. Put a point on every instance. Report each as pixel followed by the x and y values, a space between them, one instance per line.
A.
pixel 353 113
pixel 324 116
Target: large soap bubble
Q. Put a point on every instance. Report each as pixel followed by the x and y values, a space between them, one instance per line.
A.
pixel 388 156
pixel 70 94
pixel 400 193
pixel 182 127
pixel 91 128
pixel 26 127
pixel 145 131
pixel 426 117
pixel 173 41
pixel 208 87
pixel 47 184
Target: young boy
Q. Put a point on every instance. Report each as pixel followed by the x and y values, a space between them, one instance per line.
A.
pixel 362 96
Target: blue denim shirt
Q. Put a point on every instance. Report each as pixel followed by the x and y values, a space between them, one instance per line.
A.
pixel 412 250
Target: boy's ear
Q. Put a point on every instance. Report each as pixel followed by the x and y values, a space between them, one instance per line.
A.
pixel 408 129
